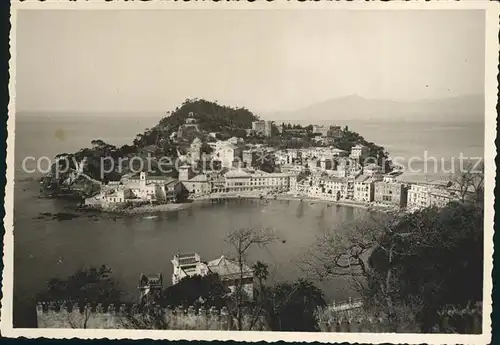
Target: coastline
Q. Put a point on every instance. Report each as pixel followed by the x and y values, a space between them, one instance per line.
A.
pixel 171 207
pixel 282 197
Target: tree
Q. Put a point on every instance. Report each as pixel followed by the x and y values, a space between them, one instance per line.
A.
pixel 86 285
pixel 242 241
pixel 469 182
pixel 294 306
pixel 261 272
pixel 416 263
pixel 197 291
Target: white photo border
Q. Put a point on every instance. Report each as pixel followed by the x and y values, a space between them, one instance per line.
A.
pixel 491 10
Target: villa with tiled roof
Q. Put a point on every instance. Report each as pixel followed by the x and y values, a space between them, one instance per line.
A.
pixel 190 264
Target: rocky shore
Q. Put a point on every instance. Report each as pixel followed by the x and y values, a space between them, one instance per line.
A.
pixel 145 209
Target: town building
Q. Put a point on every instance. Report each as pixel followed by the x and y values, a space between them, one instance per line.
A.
pixel 437 193
pixel 217 181
pixel 195 149
pixel 323 130
pixel 139 188
pixel 335 131
pixel 418 196
pixel 252 157
pixel 292 169
pixel 358 152
pixel 441 197
pixel 244 181
pixel 262 128
pixel 227 153
pixel 300 185
pixel 327 188
pixel 187 265
pixel 190 264
pixel 112 195
pixel 373 170
pixel 338 152
pixel 230 275
pixel 198 185
pixel 391 193
pixel 364 190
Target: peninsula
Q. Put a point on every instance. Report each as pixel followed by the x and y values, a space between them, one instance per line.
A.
pixel 204 150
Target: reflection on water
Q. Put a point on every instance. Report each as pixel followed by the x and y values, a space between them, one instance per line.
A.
pixel 135 245
pixel 131 246
pixel 300 210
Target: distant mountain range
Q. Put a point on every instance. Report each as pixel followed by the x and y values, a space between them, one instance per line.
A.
pixel 457 109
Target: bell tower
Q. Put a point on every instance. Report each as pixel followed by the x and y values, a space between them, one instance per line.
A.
pixel 184 172
pixel 143 179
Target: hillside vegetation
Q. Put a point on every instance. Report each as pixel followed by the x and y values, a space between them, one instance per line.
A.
pixel 105 162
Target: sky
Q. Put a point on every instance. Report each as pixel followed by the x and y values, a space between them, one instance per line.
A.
pixel 117 61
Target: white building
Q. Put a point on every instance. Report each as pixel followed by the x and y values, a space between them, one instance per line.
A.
pixel 137 188
pixel 198 185
pixel 152 188
pixel 441 197
pixel 358 151
pixel 292 169
pixel 243 181
pixel 230 274
pixel 364 188
pixel 190 264
pixel 195 149
pixel 226 154
pixel 418 196
pixel 187 265
pixel 437 194
pixel 328 188
pixel 262 127
pixel 323 130
pixel 372 170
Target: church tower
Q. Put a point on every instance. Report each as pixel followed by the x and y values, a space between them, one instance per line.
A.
pixel 184 173
pixel 143 179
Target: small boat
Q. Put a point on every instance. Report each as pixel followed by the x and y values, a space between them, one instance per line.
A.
pixel 150 217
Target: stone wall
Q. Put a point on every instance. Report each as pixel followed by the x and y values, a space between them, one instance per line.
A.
pixel 97 316
pixel 464 321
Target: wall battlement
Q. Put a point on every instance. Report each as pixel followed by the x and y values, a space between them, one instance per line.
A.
pixel 466 320
pixel 65 314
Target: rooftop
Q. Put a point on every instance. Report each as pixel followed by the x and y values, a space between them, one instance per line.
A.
pixel 150 279
pixel 362 178
pixel 236 174
pixel 199 178
pixel 228 145
pixel 187 258
pixel 335 179
pixel 225 267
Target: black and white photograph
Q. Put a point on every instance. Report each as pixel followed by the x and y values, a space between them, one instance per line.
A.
pixel 322 173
